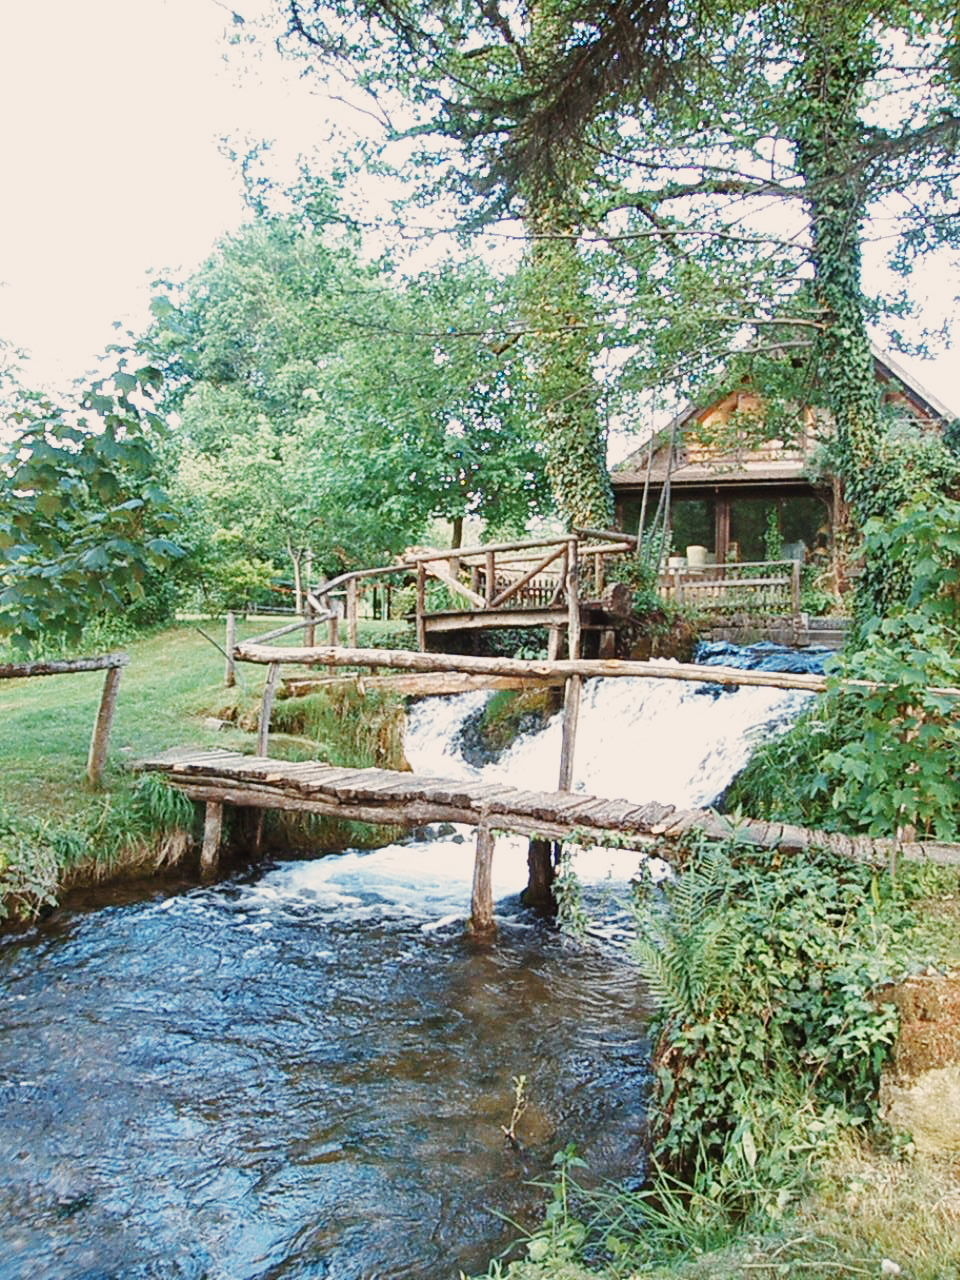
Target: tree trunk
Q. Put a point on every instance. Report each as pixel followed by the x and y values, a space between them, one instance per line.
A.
pixel 560 319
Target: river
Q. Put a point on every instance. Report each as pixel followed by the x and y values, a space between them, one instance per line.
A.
pixel 304 1071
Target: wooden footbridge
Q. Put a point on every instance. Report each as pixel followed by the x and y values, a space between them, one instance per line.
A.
pixel 386 797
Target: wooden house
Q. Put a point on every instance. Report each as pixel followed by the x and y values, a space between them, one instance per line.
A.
pixel 731 499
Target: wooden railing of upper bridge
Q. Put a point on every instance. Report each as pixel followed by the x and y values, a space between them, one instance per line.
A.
pixel 535 582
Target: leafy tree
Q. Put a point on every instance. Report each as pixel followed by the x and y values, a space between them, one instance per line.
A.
pixel 464 72
pixel 84 523
pixel 746 194
pixel 332 408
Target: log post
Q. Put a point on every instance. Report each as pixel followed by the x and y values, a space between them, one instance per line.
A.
pixel 212 831
pixel 540 876
pixel 573 600
pixel 266 707
pixel 490 576
pixel 481 902
pixel 352 610
pixel 568 741
pixel 421 606
pixel 97 758
pixel 230 673
pixel 795 589
pixel 553 643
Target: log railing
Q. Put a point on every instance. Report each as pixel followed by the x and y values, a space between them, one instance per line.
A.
pixel 755 587
pixel 112 664
pixel 495 582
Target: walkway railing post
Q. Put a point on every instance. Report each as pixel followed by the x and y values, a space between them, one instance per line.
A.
pixel 99 742
pixel 352 608
pixel 230 672
pixel 421 606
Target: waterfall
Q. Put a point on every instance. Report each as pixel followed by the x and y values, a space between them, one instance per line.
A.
pixel 638 738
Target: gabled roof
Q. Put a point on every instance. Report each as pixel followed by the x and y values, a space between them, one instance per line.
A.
pixel 766 465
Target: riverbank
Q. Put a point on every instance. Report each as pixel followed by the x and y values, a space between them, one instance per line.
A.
pixel 804 1117
pixel 57 833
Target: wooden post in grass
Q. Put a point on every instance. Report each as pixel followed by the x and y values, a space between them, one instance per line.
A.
pixel 266 707
pixel 481 902
pixel 230 674
pixel 100 741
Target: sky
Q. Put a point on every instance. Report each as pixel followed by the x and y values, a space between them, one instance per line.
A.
pixel 113 171
pixel 111 163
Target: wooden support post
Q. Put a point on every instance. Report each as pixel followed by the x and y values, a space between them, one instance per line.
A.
pixel 540 876
pixel 573 600
pixel 334 629
pixel 99 742
pixel 481 902
pixel 795 589
pixel 490 575
pixel 553 643
pixel 421 606
pixel 352 612
pixel 568 742
pixel 266 708
pixel 230 673
pixel 212 831
pixel 599 566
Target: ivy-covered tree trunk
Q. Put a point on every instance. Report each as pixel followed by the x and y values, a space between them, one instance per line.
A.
pixel 562 344
pixel 560 319
pixel 837 60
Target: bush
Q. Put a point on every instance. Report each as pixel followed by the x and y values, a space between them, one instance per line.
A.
pixel 769 1042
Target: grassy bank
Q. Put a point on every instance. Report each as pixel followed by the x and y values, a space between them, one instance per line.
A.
pixel 55 831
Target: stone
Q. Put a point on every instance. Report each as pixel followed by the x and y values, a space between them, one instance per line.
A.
pixel 920 1087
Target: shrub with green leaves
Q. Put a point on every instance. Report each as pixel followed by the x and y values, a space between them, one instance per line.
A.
pixel 880 756
pixel 769 1042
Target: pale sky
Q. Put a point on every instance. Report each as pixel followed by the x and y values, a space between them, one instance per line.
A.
pixel 112 114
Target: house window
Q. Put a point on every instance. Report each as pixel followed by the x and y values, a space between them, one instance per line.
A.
pixel 777 528
pixel 692 523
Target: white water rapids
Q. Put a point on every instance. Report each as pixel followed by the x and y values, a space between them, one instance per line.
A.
pixel 638 739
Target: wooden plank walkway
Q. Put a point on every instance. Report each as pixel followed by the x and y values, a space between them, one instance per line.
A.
pixel 389 797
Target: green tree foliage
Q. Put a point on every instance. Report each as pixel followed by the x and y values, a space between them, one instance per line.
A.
pixel 881 758
pixel 328 405
pixel 462 73
pixel 85 527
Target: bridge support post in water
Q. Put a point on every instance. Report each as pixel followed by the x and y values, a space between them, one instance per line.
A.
pixel 481 902
pixel 212 831
pixel 540 876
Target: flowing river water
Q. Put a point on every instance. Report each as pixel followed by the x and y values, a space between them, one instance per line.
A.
pixel 304 1071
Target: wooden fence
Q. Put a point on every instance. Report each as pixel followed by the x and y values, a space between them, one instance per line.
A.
pixel 112 664
pixel 760 587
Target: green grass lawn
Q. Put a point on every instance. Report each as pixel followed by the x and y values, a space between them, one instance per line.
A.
pixel 174 678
